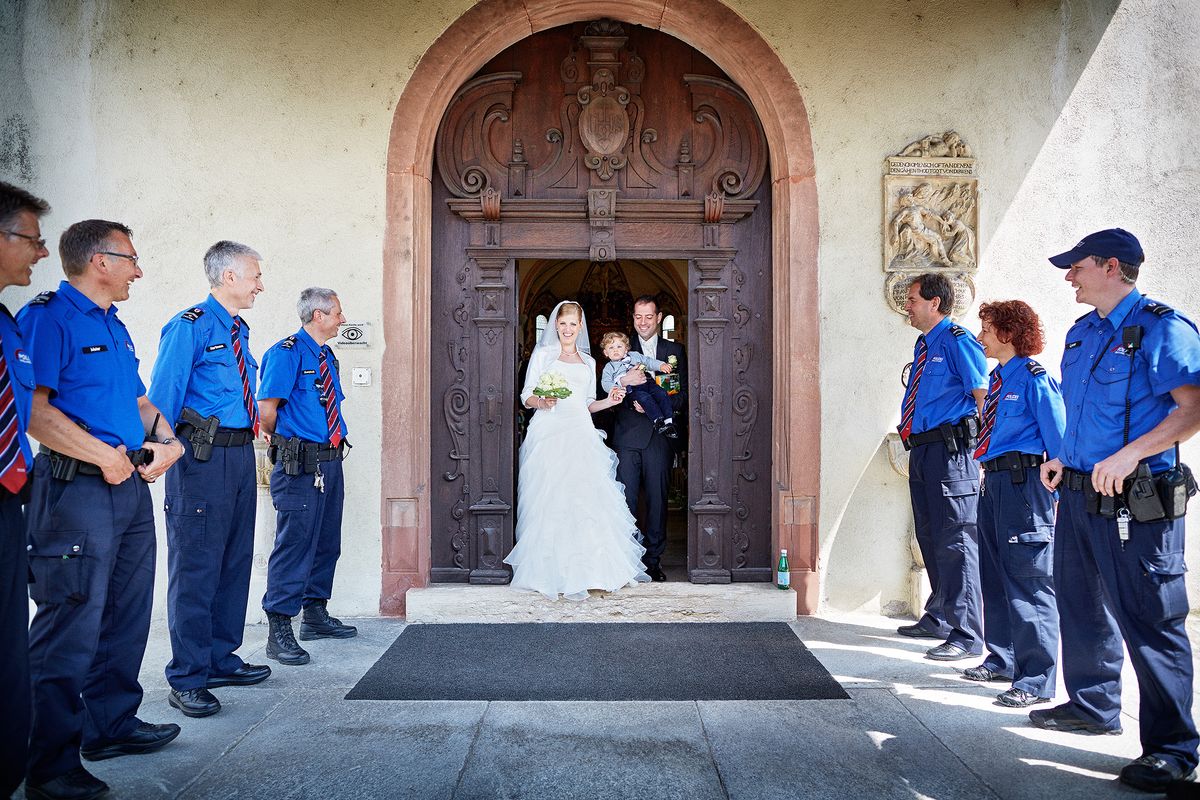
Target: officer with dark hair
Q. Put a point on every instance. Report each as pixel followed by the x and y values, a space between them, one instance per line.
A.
pixel 1131 383
pixel 21 246
pixel 300 400
pixel 938 423
pixel 204 381
pixel 91 525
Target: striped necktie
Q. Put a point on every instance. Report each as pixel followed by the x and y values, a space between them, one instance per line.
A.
pixel 989 414
pixel 247 394
pixel 329 399
pixel 910 396
pixel 13 469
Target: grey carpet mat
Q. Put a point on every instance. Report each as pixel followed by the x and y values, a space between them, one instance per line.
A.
pixel 598 661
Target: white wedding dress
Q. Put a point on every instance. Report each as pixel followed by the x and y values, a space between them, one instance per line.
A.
pixel 574 530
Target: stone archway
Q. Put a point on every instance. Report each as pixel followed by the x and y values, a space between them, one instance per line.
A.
pixel 483 31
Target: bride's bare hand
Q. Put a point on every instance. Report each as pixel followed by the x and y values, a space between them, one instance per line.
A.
pixel 548 402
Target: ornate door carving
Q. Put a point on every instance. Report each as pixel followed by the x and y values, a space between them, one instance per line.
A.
pixel 594 141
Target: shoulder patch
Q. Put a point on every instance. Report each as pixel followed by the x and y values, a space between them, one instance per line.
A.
pixel 192 314
pixel 1035 368
pixel 288 343
pixel 1158 309
pixel 41 299
pixel 958 331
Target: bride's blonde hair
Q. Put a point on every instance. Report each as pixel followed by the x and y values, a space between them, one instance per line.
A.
pixel 569 308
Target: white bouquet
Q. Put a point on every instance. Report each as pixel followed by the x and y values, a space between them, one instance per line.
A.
pixel 552 384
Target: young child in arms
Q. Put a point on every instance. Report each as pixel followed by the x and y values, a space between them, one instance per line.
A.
pixel 654 400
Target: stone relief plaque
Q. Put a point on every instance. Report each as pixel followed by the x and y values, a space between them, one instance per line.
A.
pixel 931 217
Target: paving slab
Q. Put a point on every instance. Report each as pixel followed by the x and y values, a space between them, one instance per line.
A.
pixel 565 750
pixel 867 747
pixel 1020 761
pixel 319 746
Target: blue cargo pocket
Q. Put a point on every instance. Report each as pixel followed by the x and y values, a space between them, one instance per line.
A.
pixel 291 500
pixel 187 521
pixel 962 496
pixel 1162 592
pixel 1031 554
pixel 58 567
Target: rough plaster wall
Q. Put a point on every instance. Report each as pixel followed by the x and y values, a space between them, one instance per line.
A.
pixel 268 123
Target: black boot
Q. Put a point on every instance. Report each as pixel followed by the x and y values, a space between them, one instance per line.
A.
pixel 281 642
pixel 317 624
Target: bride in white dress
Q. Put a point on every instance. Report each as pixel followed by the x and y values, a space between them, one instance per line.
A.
pixel 574 530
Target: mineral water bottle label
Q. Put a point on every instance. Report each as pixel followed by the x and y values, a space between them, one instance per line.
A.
pixel 784 579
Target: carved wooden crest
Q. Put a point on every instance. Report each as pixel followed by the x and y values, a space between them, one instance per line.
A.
pixel 510 136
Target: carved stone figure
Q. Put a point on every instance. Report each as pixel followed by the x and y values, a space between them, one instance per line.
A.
pixel 947 145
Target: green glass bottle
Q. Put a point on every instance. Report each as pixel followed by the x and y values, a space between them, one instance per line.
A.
pixel 783 574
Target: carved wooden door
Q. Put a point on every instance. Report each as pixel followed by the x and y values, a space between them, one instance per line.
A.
pixel 595 142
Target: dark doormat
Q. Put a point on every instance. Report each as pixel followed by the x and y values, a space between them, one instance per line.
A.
pixel 598 661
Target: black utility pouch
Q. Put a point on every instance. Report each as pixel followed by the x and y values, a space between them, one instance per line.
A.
pixel 1175 486
pixel 1142 496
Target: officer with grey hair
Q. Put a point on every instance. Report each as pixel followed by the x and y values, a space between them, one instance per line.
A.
pixel 203 382
pixel 299 400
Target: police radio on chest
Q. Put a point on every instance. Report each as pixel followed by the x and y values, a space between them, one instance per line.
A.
pixel 1131 339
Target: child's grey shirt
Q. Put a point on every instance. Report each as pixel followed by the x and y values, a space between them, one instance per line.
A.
pixel 613 370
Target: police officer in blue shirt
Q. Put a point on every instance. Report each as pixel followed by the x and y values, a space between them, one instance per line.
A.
pixel 1131 382
pixel 204 381
pixel 91 525
pixel 1023 419
pixel 300 399
pixel 21 246
pixel 938 423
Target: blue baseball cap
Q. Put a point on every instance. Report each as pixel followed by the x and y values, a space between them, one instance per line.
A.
pixel 1115 243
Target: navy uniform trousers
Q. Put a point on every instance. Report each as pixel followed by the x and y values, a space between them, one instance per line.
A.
pixel 944 488
pixel 1020 617
pixel 210 546
pixel 14 644
pixel 1106 593
pixel 91 551
pixel 308 538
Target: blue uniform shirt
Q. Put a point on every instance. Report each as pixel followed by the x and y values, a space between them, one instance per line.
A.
pixel 1030 416
pixel 954 366
pixel 20 374
pixel 196 367
pixel 291 372
pixel 1169 357
pixel 85 357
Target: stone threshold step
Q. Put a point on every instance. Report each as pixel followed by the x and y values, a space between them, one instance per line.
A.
pixel 650 602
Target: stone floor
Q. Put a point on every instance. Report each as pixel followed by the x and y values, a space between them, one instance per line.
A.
pixel 912 729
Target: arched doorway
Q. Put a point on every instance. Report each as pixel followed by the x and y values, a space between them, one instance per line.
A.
pixel 790 258
pixel 595 142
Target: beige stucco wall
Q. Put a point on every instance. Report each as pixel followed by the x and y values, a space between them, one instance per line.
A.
pixel 268 123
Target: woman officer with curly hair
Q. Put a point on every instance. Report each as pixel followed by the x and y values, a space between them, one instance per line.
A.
pixel 1023 421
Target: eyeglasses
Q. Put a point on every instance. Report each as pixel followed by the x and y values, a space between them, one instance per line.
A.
pixel 134 259
pixel 41 243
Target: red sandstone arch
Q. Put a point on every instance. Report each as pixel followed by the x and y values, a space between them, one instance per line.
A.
pixel 473 39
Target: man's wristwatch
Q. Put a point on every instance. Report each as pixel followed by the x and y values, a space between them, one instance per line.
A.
pixel 173 440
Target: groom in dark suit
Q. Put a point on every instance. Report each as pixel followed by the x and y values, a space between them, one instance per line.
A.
pixel 645 455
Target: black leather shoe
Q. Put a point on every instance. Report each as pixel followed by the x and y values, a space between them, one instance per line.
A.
pixel 947 652
pixel 983 673
pixel 245 675
pixel 1062 718
pixel 281 642
pixel 1019 698
pixel 916 632
pixel 1152 774
pixel 656 574
pixel 194 702
pixel 78 784
pixel 146 738
pixel 317 624
pixel 668 430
